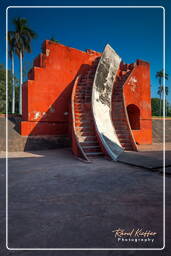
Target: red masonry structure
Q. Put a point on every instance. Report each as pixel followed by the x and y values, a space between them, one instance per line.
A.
pixel 47 93
pixel 57 99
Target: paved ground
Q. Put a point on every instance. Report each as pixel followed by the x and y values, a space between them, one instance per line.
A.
pixel 149 156
pixel 157 125
pixel 57 201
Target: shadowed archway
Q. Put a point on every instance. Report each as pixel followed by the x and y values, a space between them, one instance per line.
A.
pixel 134 116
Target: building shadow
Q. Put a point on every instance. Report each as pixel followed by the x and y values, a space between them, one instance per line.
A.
pixel 60 135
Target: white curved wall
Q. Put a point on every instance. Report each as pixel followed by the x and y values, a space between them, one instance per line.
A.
pixel 102 98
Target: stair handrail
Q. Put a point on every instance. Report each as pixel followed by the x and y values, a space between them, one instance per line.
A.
pixel 73 118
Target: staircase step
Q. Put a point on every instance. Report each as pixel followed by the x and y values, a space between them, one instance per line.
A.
pixel 126 144
pixel 85 127
pixel 88 138
pixel 83 122
pixel 120 122
pixel 94 153
pixel 119 128
pixel 119 115
pixel 89 143
pixel 92 150
pixel 124 140
pixel 84 84
pixel 128 149
pixel 117 93
pixel 90 133
pixel 85 132
pixel 83 93
pixel 117 99
pixel 78 96
pixel 83 117
pixel 129 146
pixel 123 136
pixel 117 119
pixel 92 146
pixel 85 80
pixel 77 104
pixel 79 111
pixel 117 104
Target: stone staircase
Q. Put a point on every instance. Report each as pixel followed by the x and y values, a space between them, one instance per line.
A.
pixel 83 118
pixel 119 115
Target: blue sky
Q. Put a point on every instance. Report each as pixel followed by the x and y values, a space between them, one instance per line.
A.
pixel 134 33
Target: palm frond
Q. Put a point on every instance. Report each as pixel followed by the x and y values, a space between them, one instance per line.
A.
pixel 24 35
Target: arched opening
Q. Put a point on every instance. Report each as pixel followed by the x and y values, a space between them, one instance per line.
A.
pixel 134 116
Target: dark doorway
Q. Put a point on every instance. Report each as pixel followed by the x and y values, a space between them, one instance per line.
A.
pixel 134 116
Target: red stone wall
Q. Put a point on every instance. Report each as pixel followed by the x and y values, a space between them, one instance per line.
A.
pixel 46 94
pixel 137 92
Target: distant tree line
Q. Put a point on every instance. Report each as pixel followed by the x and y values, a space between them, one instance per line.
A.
pixel 156 103
pixel 11 79
pixel 162 90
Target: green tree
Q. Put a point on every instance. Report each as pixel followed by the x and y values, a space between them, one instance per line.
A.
pixel 166 94
pixel 11 41
pixel 23 37
pixel 160 75
pixel 155 104
pixel 168 109
pixel 10 87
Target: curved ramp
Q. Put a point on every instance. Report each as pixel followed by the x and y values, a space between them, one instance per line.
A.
pixel 102 101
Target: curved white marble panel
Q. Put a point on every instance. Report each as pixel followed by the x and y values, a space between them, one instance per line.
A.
pixel 101 101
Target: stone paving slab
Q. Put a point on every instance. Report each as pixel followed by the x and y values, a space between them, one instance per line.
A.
pixel 145 159
pixel 148 156
pixel 141 160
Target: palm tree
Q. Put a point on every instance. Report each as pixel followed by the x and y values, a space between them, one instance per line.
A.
pixel 160 92
pixel 11 40
pixel 23 37
pixel 160 75
pixel 166 93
